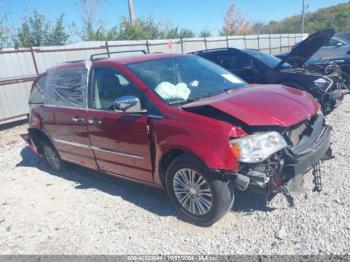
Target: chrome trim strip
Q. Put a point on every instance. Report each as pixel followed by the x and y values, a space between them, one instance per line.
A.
pixel 72 143
pixel 116 152
pixel 100 149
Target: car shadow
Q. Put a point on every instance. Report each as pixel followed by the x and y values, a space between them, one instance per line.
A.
pixel 146 197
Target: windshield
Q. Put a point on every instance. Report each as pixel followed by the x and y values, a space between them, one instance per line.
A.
pixel 183 79
pixel 269 60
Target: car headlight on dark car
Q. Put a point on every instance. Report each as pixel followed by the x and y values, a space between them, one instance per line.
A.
pixel 257 147
pixel 322 83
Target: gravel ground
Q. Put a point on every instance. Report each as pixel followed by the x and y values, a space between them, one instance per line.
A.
pixel 85 212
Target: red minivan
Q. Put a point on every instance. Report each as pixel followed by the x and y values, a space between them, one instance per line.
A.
pixel 177 122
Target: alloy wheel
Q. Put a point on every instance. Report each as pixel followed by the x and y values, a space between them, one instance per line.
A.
pixel 192 191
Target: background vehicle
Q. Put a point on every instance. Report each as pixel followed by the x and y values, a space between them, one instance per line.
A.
pixel 336 66
pixel 257 67
pixel 336 46
pixel 177 122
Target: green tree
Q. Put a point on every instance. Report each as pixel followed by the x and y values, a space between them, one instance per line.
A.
pixel 141 28
pixel 205 33
pixel 177 32
pixel 58 34
pixel 4 32
pixel 36 30
pixel 337 17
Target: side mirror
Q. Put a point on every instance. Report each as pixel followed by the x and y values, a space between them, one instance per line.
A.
pixel 128 104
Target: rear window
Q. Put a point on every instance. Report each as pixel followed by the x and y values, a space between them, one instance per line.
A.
pixel 66 87
pixel 37 93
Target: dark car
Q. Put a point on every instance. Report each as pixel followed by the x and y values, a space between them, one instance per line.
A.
pixel 258 67
pixel 336 46
pixel 177 122
pixel 338 65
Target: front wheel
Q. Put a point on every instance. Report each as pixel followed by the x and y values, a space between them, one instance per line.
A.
pixel 199 195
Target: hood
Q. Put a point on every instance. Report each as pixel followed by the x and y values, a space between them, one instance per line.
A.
pixel 263 105
pixel 304 50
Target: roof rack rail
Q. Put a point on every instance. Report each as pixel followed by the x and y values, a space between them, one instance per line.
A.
pixel 74 61
pixel 95 56
pixel 211 49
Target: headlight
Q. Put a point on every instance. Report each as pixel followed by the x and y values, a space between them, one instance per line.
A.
pixel 322 83
pixel 257 147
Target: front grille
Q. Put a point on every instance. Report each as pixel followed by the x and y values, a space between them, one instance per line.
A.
pixel 296 134
pixel 303 135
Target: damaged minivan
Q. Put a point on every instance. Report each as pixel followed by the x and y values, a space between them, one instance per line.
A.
pixel 177 122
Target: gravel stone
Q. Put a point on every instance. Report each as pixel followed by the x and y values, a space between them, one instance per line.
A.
pixel 84 212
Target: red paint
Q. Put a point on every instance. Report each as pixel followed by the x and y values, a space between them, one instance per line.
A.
pixel 151 138
pixel 265 105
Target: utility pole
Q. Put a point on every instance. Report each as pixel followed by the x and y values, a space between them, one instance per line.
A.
pixel 303 16
pixel 131 11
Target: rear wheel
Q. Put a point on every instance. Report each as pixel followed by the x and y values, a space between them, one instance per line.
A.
pixel 51 156
pixel 199 195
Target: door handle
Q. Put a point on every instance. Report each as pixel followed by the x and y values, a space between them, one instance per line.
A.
pixel 78 119
pixel 95 121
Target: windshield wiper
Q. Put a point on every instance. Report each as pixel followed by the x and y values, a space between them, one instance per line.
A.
pixel 209 95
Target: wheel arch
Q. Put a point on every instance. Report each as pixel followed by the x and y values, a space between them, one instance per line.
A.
pixel 37 136
pixel 170 156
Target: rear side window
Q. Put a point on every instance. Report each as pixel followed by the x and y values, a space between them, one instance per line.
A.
pixel 37 94
pixel 66 87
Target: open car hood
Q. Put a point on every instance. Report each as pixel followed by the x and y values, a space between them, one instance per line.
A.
pixel 304 50
pixel 262 105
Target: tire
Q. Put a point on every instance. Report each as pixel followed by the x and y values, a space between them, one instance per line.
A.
pixel 51 156
pixel 205 210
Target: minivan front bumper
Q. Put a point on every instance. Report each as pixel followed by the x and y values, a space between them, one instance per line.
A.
pixel 302 163
pixel 276 172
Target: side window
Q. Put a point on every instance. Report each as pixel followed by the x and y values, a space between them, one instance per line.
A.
pixel 66 87
pixel 235 60
pixel 332 42
pixel 37 93
pixel 109 84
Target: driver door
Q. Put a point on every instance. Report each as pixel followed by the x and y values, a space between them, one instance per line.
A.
pixel 120 140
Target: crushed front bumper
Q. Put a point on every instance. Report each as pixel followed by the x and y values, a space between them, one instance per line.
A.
pixel 288 166
pixel 301 163
pixel 331 100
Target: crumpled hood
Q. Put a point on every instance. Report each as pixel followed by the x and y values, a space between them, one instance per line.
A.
pixel 304 50
pixel 263 105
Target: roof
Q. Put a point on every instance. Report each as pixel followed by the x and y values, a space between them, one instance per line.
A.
pixel 142 58
pixel 125 59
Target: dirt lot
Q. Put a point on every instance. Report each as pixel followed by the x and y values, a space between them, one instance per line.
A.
pixel 85 212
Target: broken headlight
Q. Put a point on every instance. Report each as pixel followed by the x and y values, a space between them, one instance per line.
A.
pixel 257 147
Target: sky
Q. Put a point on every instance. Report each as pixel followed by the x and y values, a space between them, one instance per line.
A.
pixel 194 14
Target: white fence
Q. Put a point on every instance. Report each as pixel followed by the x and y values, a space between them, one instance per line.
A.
pixel 18 67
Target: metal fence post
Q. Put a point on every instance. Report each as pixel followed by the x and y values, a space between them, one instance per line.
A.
pixel 147 46
pixel 258 42
pixel 205 43
pixel 182 45
pixel 270 48
pixel 107 48
pixel 34 60
pixel 227 43
pixel 280 43
pixel 245 44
